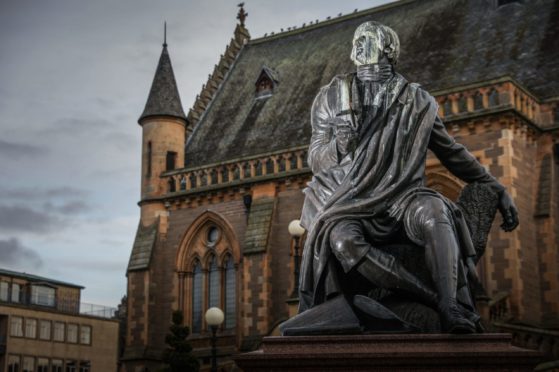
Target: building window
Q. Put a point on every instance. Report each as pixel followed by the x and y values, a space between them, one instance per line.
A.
pixel 171 160
pixel 493 98
pixel 4 291
pixel 213 235
pixel 44 329
pixel 28 364
pixel 462 103
pixel 266 83
pixel 214 284
pixel 57 365
pixel 85 335
pixel 16 293
pixel 230 297
pixel 149 155
pixel 85 366
pixel 14 362
pixel 172 184
pixel 42 295
pixel 31 328
pixel 478 101
pixel 16 326
pixel 197 298
pixel 59 329
pixel 72 333
pixel 42 365
pixel 70 366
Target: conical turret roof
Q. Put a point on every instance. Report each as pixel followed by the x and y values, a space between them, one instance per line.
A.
pixel 163 99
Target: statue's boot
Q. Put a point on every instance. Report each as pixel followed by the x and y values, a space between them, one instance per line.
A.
pixel 441 256
pixel 453 319
pixel 384 271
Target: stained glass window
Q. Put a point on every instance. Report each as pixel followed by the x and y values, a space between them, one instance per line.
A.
pixel 197 298
pixel 230 286
pixel 214 284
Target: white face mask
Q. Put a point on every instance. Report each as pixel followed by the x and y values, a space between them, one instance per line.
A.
pixel 367 48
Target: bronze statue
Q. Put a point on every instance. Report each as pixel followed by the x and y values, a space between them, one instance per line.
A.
pixel 367 199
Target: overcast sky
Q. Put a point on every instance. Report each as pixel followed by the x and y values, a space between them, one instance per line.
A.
pixel 74 78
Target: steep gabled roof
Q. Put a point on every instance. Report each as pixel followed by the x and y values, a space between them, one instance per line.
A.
pixel 444 44
pixel 140 257
pixel 163 99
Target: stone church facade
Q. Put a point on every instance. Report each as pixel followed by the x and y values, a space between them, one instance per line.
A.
pixel 221 183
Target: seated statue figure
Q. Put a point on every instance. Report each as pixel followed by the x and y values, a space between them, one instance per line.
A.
pixel 370 134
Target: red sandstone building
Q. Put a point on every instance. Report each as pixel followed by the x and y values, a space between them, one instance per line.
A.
pixel 221 184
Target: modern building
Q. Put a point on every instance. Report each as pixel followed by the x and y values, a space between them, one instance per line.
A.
pixel 43 330
pixel 221 183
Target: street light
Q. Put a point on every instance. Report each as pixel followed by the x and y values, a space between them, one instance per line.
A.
pixel 296 231
pixel 214 318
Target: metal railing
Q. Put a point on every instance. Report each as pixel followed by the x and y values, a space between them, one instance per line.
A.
pixel 99 311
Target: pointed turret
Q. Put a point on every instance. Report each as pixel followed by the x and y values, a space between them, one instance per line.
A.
pixel 163 125
pixel 164 99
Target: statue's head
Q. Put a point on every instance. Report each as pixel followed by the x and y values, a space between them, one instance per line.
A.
pixel 373 43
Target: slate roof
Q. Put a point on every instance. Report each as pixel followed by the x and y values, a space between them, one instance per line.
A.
pixel 543 201
pixel 37 279
pixel 163 96
pixel 258 227
pixel 143 246
pixel 444 44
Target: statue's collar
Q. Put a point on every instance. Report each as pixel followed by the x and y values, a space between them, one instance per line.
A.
pixel 375 72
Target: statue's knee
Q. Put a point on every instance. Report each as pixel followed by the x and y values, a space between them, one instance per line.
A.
pixel 342 244
pixel 436 213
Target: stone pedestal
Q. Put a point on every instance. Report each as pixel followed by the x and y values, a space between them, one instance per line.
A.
pixel 404 352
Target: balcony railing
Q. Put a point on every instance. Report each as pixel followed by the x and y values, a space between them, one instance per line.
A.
pixel 238 171
pixel 63 305
pixel 99 311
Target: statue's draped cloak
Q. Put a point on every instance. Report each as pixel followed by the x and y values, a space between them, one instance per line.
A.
pixel 376 182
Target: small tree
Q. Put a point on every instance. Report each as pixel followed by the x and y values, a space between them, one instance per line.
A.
pixel 178 355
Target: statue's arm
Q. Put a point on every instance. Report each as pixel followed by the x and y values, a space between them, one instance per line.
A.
pixel 465 166
pixel 458 160
pixel 323 152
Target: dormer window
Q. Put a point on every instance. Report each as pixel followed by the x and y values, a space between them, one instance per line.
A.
pixel 43 295
pixel 266 83
pixel 264 86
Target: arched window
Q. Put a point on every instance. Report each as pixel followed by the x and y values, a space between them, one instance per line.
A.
pixel 447 107
pixel 269 166
pixel 210 282
pixel 172 185
pixel 493 97
pixel 197 297
pixel 230 297
pixel 214 284
pixel 462 104
pixel 478 101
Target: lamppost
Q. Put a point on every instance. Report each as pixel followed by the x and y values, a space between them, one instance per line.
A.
pixel 214 318
pixel 296 231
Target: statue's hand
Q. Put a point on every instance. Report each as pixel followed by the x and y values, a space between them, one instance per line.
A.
pixel 508 211
pixel 346 138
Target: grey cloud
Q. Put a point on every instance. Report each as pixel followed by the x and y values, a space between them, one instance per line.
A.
pixel 16 151
pixel 72 126
pixel 96 265
pixel 34 193
pixel 69 208
pixel 13 253
pixel 23 218
pixel 122 141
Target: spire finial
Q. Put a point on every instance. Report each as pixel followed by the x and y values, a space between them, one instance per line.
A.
pixel 242 15
pixel 165 34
